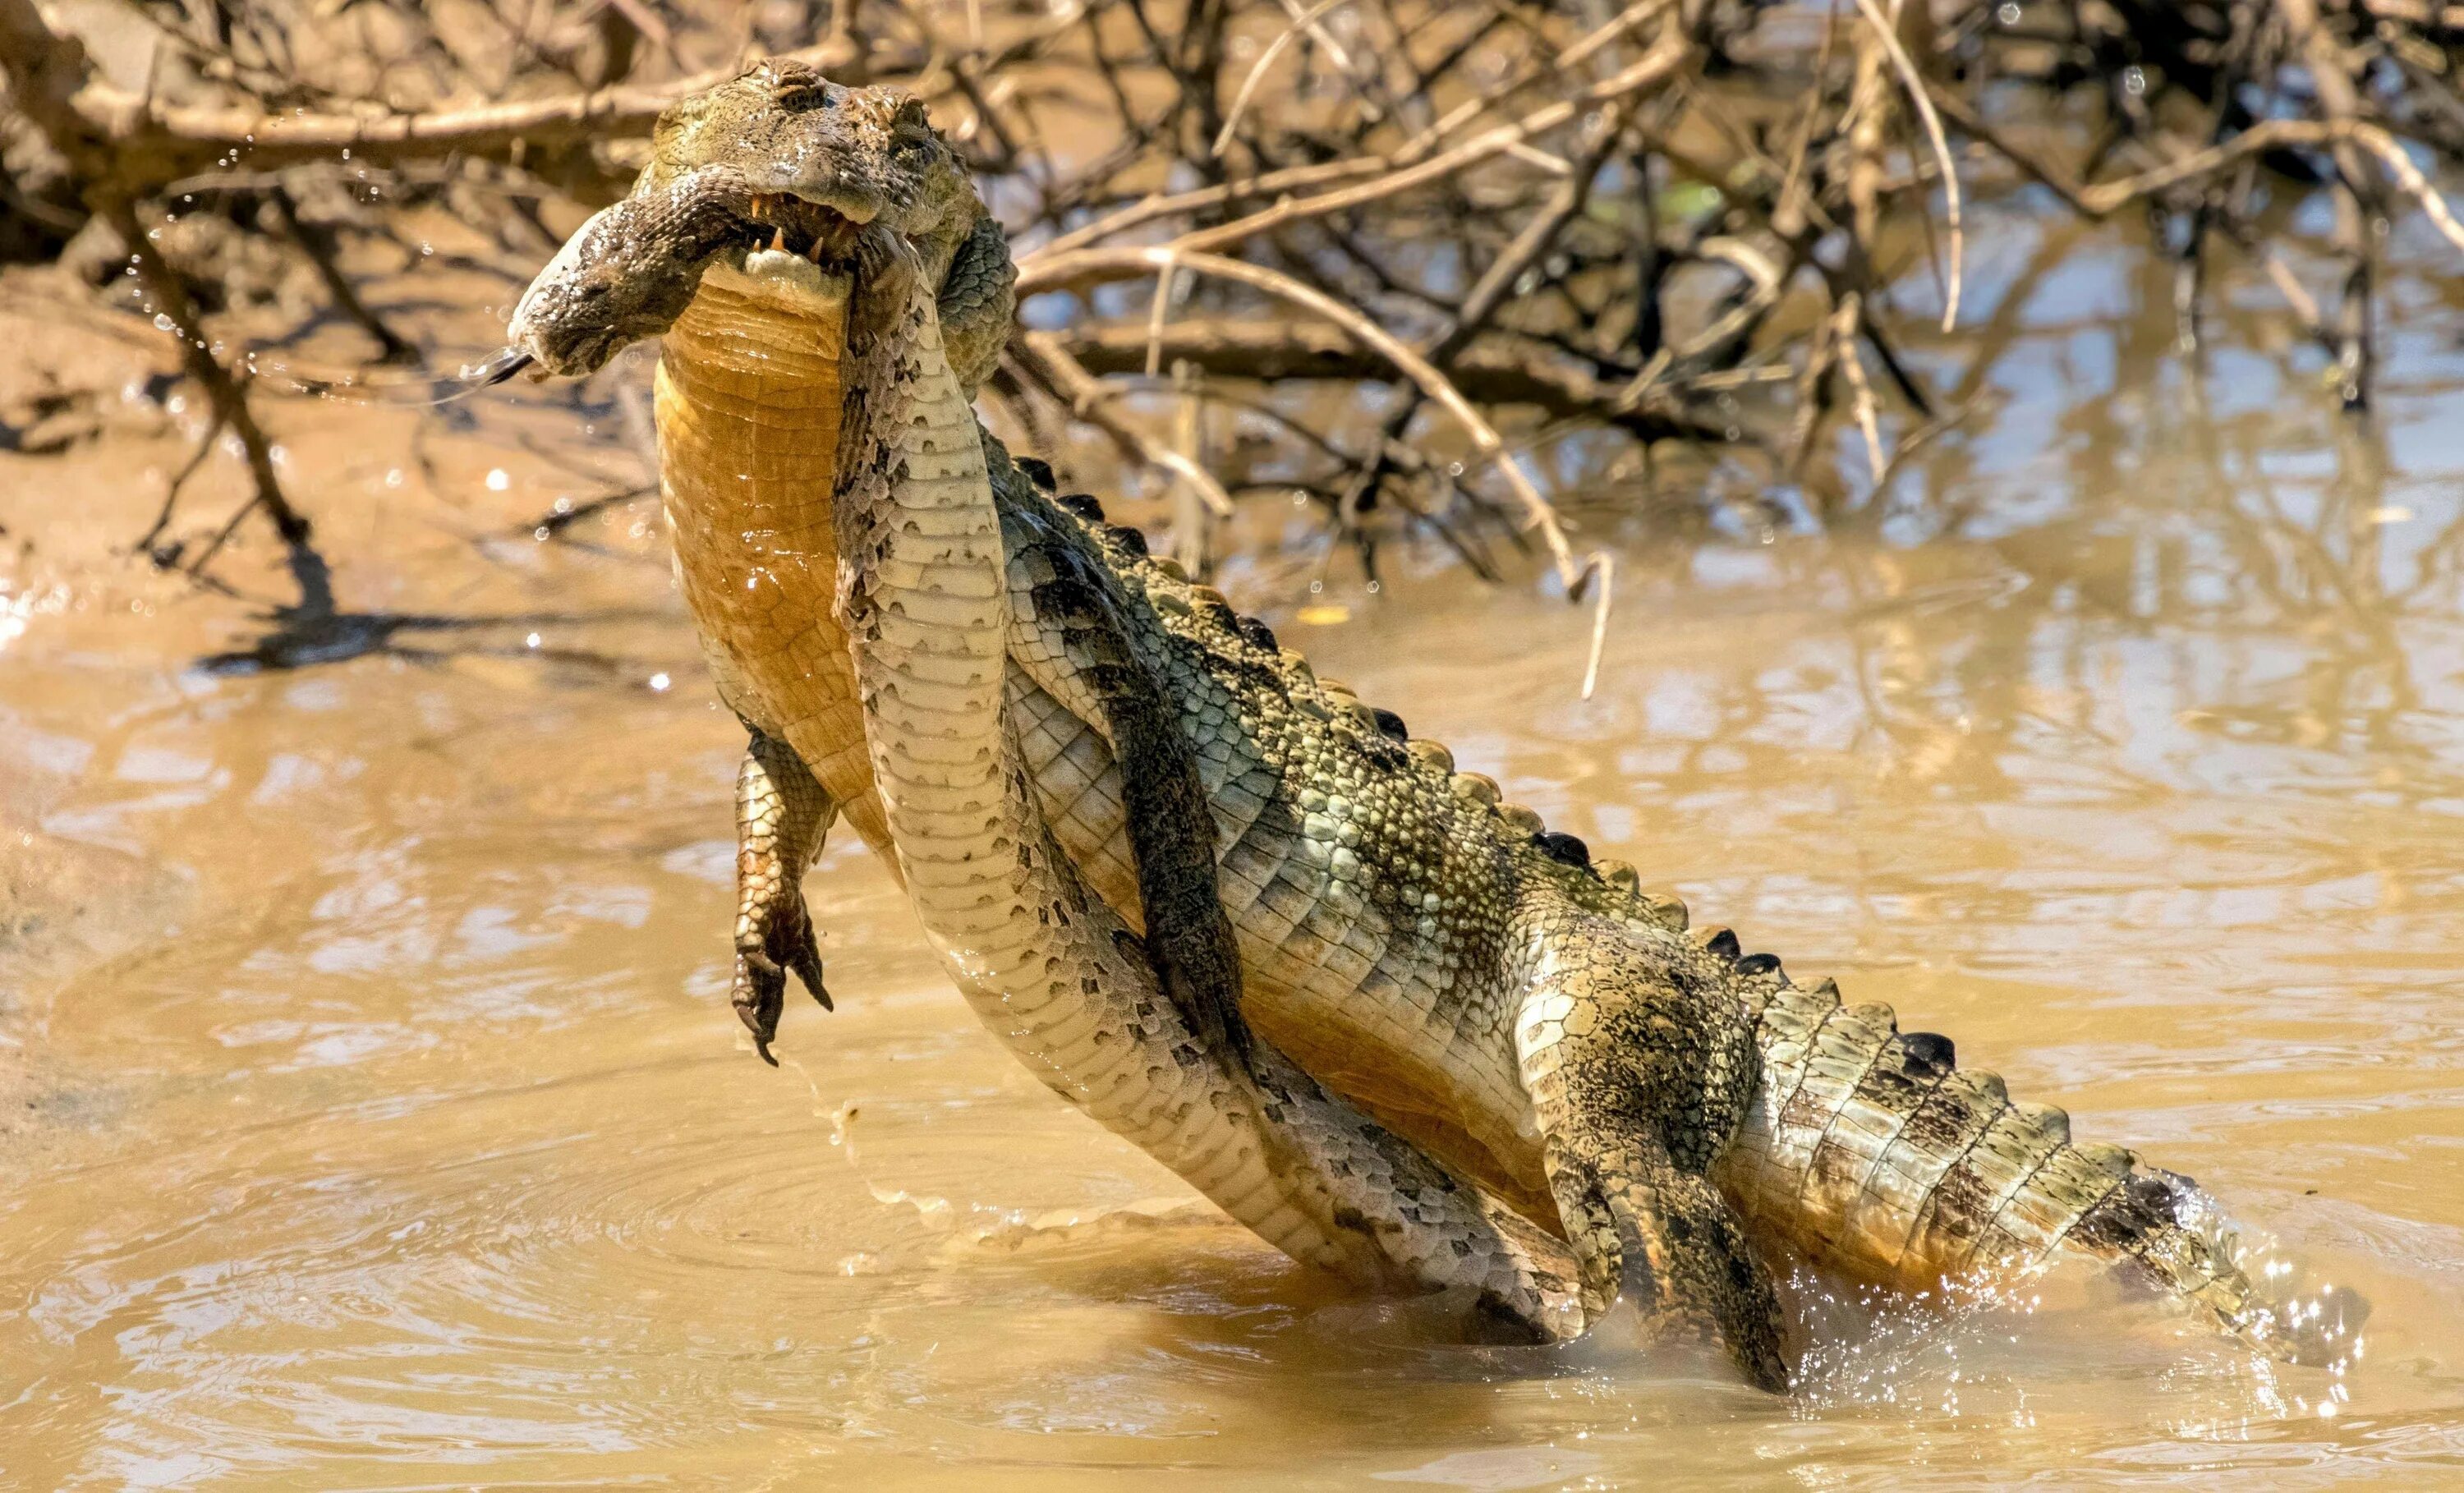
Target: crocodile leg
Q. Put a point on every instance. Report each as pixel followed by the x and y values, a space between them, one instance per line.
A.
pixel 1637 1081
pixel 782 813
pixel 1428 1232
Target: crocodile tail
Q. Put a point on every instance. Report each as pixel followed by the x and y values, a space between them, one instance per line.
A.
pixel 1870 1152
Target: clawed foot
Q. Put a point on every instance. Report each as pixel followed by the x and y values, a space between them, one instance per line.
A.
pixel 766 948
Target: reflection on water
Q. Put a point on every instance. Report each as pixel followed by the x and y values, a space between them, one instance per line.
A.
pixel 378 1120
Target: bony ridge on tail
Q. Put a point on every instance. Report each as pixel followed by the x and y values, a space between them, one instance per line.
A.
pixel 1388 1020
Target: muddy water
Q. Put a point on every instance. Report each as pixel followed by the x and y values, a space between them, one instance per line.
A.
pixel 375 1118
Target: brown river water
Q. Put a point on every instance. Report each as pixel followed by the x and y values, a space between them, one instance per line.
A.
pixel 374 1119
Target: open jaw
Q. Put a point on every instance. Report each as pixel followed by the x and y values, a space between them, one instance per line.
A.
pixel 806 266
pixel 630 272
pixel 823 233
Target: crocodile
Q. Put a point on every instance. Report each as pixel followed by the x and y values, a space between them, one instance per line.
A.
pixel 738 246
pixel 1387 1019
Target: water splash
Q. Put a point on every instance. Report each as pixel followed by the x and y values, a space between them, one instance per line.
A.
pixel 1973 1345
pixel 2294 1314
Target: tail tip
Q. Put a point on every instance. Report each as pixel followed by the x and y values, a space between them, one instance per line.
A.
pixel 2294 1316
pixel 2317 1328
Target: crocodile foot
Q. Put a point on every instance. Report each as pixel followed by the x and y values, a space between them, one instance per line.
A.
pixel 1637 1081
pixel 782 813
pixel 764 952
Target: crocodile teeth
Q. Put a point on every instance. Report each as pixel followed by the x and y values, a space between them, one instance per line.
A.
pixel 778 239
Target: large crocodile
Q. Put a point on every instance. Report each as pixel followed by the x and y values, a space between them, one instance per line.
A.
pixel 920 638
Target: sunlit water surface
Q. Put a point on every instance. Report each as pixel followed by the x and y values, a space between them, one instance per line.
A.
pixel 386 1127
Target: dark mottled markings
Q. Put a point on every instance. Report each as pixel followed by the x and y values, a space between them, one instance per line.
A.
pixel 1390 724
pixel 1134 540
pixel 1038 471
pixel 1840 1166
pixel 1945 1122
pixel 1084 505
pixel 1724 945
pixel 1258 634
pixel 1961 1203
pixel 2126 1216
pixel 1928 1053
pixel 1753 964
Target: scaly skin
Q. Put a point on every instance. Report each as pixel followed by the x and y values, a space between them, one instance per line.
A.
pixel 757 418
pixel 1851 1145
pixel 1533 1021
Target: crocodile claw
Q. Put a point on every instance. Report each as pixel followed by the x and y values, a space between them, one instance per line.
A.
pixel 764 957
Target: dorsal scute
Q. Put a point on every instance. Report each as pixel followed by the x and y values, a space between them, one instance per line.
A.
pixel 2115 1161
pixel 1929 1052
pixel 1478 788
pixel 2049 1121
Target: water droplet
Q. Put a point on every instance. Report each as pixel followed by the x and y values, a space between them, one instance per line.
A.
pixel 531 641
pixel 498 480
pixel 659 681
pixel 564 505
pixel 393 476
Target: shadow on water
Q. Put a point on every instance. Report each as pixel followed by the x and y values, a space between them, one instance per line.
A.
pixel 300 638
pixel 314 631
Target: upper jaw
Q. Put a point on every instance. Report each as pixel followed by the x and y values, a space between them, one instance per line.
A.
pixel 617 281
pixel 822 228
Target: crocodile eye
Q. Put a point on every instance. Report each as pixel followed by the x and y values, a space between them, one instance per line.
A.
pixel 802 96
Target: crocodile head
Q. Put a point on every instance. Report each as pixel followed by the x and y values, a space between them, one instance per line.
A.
pixel 777 161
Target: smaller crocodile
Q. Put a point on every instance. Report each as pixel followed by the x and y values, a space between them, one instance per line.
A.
pixel 1442 1016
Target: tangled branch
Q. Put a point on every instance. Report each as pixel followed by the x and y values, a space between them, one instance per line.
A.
pixel 1418 258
